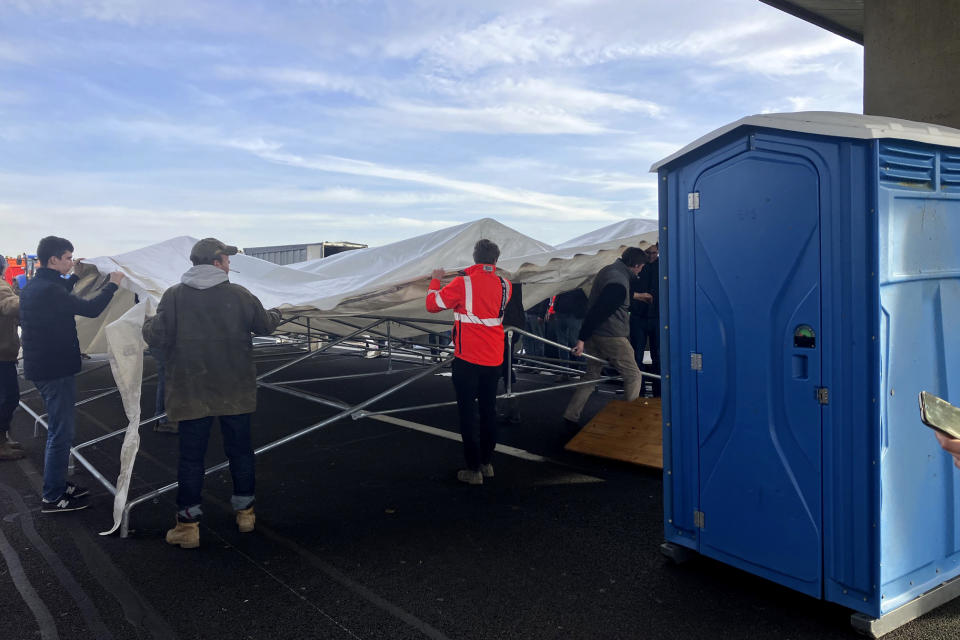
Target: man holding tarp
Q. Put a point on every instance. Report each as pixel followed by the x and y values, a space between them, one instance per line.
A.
pixel 478 299
pixel 51 358
pixel 204 328
pixel 606 329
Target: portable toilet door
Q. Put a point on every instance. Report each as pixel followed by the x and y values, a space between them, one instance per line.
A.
pixel 757 361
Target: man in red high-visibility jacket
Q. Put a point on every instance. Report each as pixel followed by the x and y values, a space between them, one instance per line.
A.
pixel 478 299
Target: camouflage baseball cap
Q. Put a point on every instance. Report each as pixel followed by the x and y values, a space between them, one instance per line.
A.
pixel 210 249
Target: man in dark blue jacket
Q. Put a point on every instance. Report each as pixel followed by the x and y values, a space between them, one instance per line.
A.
pixel 51 358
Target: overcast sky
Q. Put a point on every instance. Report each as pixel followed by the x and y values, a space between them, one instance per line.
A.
pixel 126 122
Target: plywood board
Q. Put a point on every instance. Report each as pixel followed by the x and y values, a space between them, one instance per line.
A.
pixel 627 431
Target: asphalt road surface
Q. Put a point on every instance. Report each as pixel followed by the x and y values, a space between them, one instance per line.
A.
pixel 364 532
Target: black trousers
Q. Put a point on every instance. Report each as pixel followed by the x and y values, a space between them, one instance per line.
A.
pixel 642 329
pixel 476 382
pixel 9 394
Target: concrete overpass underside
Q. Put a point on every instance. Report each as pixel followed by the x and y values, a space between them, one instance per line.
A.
pixel 911 60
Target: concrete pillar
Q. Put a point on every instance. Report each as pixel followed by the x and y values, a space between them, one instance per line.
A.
pixel 911 60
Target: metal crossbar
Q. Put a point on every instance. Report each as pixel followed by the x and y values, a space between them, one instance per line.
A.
pixel 361 337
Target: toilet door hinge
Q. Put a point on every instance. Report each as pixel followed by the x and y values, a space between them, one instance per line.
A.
pixel 693 200
pixel 698 521
pixel 823 395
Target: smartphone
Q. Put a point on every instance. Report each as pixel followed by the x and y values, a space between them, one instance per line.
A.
pixel 939 414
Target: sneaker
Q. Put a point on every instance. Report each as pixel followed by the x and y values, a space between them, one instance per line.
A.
pixel 470 477
pixel 13 444
pixel 8 452
pixel 166 427
pixel 62 504
pixel 486 470
pixel 75 491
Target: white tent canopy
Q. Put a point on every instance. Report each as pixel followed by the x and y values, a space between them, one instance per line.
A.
pixel 389 280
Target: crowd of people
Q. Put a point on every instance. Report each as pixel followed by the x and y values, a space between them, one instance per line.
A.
pixel 201 339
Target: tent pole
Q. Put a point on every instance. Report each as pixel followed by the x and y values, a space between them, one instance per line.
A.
pixel 125 518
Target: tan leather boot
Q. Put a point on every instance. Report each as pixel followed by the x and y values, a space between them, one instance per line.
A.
pixel 246 519
pixel 185 534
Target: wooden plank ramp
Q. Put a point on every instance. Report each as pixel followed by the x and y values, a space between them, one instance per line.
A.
pixel 627 431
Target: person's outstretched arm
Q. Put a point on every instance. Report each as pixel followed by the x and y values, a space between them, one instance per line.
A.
pixel 94 306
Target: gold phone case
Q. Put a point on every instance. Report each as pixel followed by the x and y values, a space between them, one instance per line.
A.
pixel 941 415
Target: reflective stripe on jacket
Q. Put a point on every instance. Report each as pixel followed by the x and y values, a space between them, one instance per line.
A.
pixel 477 299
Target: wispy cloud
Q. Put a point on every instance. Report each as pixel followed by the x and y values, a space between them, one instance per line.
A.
pixel 563 206
pixel 130 12
pixel 292 77
pixel 508 118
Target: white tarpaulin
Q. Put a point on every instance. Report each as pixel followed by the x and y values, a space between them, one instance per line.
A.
pixel 390 280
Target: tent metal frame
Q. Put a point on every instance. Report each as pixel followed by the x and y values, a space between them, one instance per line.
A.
pixel 359 339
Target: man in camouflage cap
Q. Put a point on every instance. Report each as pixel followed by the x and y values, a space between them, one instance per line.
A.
pixel 203 328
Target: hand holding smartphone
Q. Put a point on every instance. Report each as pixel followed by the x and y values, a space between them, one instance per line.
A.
pixel 939 414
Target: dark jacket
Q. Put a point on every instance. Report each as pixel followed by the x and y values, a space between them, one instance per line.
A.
pixel 573 302
pixel 648 281
pixel 49 331
pixel 539 309
pixel 609 303
pixel 205 336
pixel 9 319
pixel 513 314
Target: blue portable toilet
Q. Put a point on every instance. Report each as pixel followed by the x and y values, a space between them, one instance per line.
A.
pixel 810 267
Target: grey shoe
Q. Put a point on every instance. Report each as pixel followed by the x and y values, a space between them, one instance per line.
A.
pixel 486 470
pixel 470 477
pixel 13 444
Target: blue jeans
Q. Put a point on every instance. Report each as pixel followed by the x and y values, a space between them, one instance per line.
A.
pixel 58 397
pixel 568 328
pixel 194 437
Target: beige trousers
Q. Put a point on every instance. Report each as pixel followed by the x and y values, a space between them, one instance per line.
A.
pixel 619 353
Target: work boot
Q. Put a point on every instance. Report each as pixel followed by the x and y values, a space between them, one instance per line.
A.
pixel 469 476
pixel 185 534
pixel 10 453
pixel 486 470
pixel 246 518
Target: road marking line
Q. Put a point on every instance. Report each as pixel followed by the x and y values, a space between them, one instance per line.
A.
pixel 449 435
